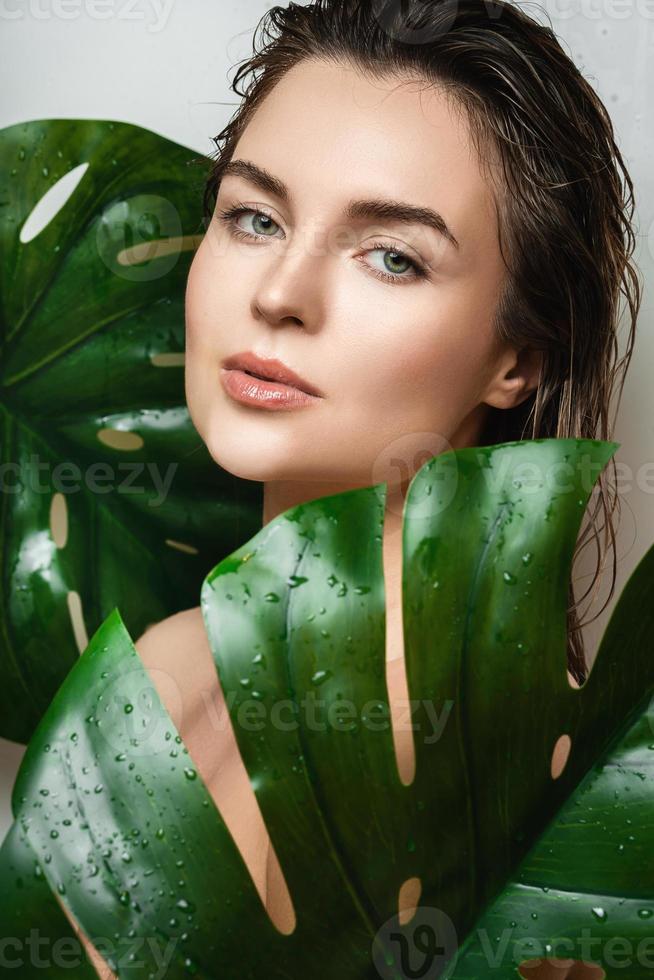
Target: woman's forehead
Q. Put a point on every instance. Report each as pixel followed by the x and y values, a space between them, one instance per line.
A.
pixel 332 133
pixel 336 111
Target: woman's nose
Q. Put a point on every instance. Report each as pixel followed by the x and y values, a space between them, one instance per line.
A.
pixel 289 288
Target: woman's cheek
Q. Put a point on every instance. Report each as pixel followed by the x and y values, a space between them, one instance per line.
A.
pixel 192 305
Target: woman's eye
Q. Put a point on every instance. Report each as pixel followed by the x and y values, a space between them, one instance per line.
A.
pixel 261 224
pixel 395 265
pixel 393 261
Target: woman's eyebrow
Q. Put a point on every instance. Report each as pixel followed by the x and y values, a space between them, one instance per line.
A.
pixel 382 210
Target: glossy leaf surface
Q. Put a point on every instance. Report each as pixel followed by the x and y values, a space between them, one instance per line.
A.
pixel 585 891
pixel 110 496
pixel 36 935
pixel 296 622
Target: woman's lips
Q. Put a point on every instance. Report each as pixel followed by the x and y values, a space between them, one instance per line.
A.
pixel 270 395
pixel 269 369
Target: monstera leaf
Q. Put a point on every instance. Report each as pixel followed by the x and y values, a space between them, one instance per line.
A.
pixel 29 914
pixel 125 833
pixel 110 497
pixel 585 892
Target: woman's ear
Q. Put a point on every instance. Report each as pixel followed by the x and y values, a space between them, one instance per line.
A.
pixel 517 375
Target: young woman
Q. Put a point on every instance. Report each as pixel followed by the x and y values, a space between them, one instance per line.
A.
pixel 420 220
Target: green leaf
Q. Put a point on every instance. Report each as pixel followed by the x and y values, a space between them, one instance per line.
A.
pixel 296 622
pixel 589 879
pixel 36 935
pixel 91 350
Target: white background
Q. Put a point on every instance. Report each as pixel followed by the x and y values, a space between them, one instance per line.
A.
pixel 165 65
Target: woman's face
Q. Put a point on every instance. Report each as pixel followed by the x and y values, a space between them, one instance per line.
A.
pixel 404 363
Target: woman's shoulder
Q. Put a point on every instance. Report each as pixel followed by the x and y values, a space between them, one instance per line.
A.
pixel 162 638
pixel 176 653
pixel 178 658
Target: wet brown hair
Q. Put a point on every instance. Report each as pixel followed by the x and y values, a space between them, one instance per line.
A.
pixel 564 200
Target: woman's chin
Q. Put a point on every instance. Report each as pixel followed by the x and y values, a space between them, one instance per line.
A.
pixel 263 462
pixel 247 459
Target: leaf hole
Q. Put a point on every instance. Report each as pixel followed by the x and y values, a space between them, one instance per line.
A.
pixel 157 248
pixel 180 546
pixel 560 755
pixel 77 620
pixel 49 206
pixel 59 520
pixel 168 359
pixel 397 688
pixel 408 899
pixel 120 439
pixel 401 719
